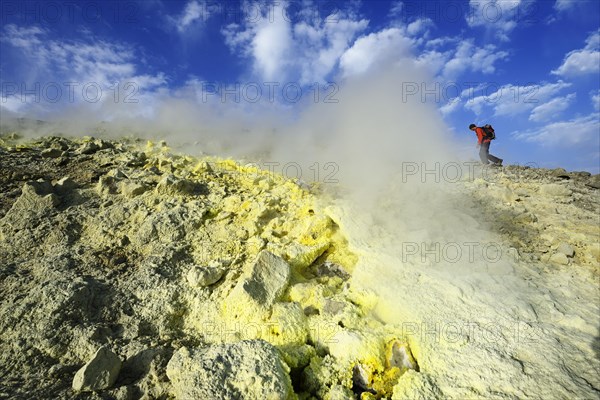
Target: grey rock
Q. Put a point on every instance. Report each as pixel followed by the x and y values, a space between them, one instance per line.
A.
pixel 171 185
pixel 560 172
pixel 65 185
pixel 594 181
pixel 334 307
pixel 133 189
pixel 580 174
pixel 402 357
pixel 117 174
pixel 106 185
pixel 51 153
pixel 262 284
pixel 566 249
pixel 554 189
pixel 559 258
pixel 36 197
pixel 103 144
pixel 331 269
pixel 57 370
pixel 88 148
pixel 124 393
pixel 204 276
pixel 250 369
pixel 360 377
pixel 100 372
pixel 39 188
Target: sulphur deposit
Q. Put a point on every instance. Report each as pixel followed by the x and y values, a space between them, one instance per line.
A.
pixel 127 271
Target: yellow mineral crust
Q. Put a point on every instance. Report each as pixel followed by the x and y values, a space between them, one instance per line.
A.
pixel 204 252
pixel 210 252
pixel 286 221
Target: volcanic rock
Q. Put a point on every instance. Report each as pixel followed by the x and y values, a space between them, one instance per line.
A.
pixel 100 372
pixel 262 285
pixel 250 369
pixel 204 276
pixel 51 153
pixel 119 246
pixel 559 258
pixel 566 249
pixel 554 189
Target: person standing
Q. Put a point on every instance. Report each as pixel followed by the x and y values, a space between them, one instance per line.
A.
pixel 484 139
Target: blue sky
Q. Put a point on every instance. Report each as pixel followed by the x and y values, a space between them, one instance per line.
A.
pixel 530 67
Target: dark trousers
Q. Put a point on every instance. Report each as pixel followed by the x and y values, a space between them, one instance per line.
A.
pixel 485 156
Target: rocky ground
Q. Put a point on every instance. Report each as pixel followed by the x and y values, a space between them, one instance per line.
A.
pixel 519 321
pixel 128 271
pixel 550 216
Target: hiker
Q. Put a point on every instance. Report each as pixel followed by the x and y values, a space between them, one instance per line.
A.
pixel 485 135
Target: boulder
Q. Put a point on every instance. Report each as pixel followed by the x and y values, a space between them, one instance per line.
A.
pixel 204 276
pixel 559 258
pixel 51 153
pixel 132 189
pixel 65 185
pixel 554 189
pixel 88 148
pixel 559 173
pixel 594 181
pixel 288 325
pixel 330 269
pixel 100 372
pixel 360 377
pixel 37 197
pixel 350 346
pixel 171 185
pixel 250 369
pixel 259 287
pixel 566 249
pixel 400 356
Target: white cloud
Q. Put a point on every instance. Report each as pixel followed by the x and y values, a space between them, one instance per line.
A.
pixel 192 12
pixel 433 61
pixel 450 106
pixel 564 5
pixel 420 26
pixel 584 61
pixel 59 71
pixel 12 103
pixel 396 8
pixel 442 41
pixel 25 38
pixel 375 48
pixel 338 39
pixel 551 109
pixel 510 100
pixel 582 131
pixel 95 61
pixel 311 50
pixel 466 57
pixel 498 16
pixel 306 51
pixel 271 47
pixel 595 96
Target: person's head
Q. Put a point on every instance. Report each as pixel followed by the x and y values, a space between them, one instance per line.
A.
pixel 472 127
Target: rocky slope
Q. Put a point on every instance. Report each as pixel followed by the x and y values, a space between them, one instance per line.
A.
pixel 170 276
pixel 128 271
pixel 516 313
